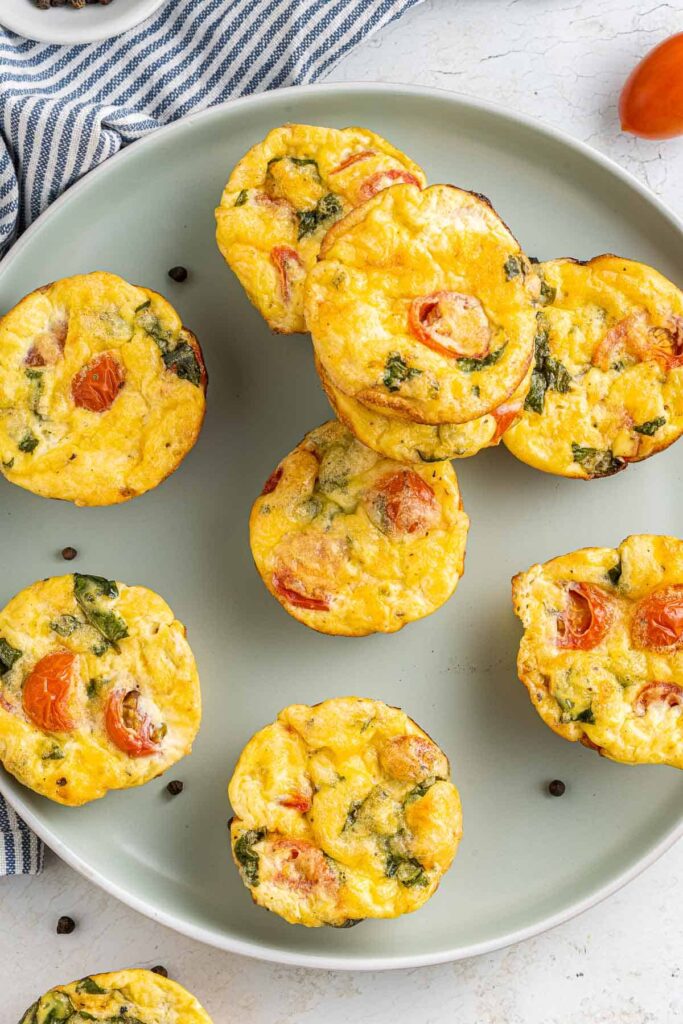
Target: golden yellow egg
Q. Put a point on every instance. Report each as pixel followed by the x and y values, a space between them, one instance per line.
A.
pixel 607 387
pixel 283 196
pixel 343 811
pixel 602 651
pixel 142 997
pixel 352 543
pixel 98 687
pixel 422 304
pixel 407 441
pixel 102 390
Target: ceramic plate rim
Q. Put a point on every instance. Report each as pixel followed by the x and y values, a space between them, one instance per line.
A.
pixel 113 24
pixel 212 936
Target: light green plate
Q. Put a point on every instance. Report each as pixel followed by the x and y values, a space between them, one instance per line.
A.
pixel 527 861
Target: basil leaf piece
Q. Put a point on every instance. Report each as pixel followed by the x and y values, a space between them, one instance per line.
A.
pixel 328 208
pixel 56 754
pixel 614 574
pixel 512 267
pixel 586 716
pixel 650 427
pixel 468 365
pixel 242 198
pixel 8 656
pixel 418 791
pixel 90 987
pixel 65 625
pixel 30 1017
pixel 548 374
pixel 548 293
pixel 88 591
pixel 596 461
pixel 54 1007
pixel 183 362
pixel 396 371
pixel 407 870
pixel 28 443
pixel 246 856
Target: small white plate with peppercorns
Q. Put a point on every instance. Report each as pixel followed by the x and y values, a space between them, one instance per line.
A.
pixel 75 21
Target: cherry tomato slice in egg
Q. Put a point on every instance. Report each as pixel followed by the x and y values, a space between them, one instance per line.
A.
pixel 383 179
pixel 658 619
pixel 586 618
pixel 296 598
pixel 404 504
pixel 96 386
pixel 129 728
pixel 46 692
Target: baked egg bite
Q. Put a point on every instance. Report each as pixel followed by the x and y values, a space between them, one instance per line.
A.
pixel 283 196
pixel 98 687
pixel 102 390
pixel 602 651
pixel 137 996
pixel 351 543
pixel 406 441
pixel 422 304
pixel 344 810
pixel 607 387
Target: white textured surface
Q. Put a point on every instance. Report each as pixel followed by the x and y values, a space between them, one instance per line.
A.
pixel 620 963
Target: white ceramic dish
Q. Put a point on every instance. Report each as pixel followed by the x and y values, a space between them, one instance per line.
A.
pixel 90 24
pixel 527 861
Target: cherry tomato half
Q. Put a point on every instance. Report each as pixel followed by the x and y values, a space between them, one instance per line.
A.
pixel 46 692
pixel 651 102
pixel 281 585
pixel 364 154
pixel 670 694
pixel 403 504
pixel 585 619
pixel 451 324
pixel 658 619
pixel 284 258
pixel 129 728
pixel 96 386
pixel 383 179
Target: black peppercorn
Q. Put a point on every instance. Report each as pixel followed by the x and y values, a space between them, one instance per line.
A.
pixel 175 787
pixel 69 554
pixel 160 970
pixel 178 274
pixel 61 782
pixel 65 925
pixel 556 787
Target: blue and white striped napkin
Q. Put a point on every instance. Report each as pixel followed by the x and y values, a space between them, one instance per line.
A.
pixel 21 853
pixel 64 110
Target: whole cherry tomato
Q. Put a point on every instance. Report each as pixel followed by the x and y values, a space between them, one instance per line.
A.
pixel 651 103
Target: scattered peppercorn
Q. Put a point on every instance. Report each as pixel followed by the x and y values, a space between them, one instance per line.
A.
pixel 556 787
pixel 65 925
pixel 69 554
pixel 178 274
pixel 61 782
pixel 160 970
pixel 175 787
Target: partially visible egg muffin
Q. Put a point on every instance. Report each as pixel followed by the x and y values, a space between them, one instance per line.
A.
pixel 98 687
pixel 102 390
pixel 407 441
pixel 422 303
pixel 352 543
pixel 343 811
pixel 607 387
pixel 602 651
pixel 133 996
pixel 283 196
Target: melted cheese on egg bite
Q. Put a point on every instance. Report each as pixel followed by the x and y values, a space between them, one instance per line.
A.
pixel 422 304
pixel 407 441
pixel 343 811
pixel 102 390
pixel 351 543
pixel 602 651
pixel 138 996
pixel 607 387
pixel 98 687
pixel 283 196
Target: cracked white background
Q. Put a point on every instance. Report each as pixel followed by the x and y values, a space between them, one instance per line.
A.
pixel 620 963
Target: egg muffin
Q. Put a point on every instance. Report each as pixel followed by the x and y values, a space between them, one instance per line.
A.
pixel 607 387
pixel 602 651
pixel 344 810
pixel 98 687
pixel 102 390
pixel 422 304
pixel 283 196
pixel 406 441
pixel 135 996
pixel 351 543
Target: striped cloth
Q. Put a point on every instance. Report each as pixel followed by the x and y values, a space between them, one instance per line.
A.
pixel 64 110
pixel 21 853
